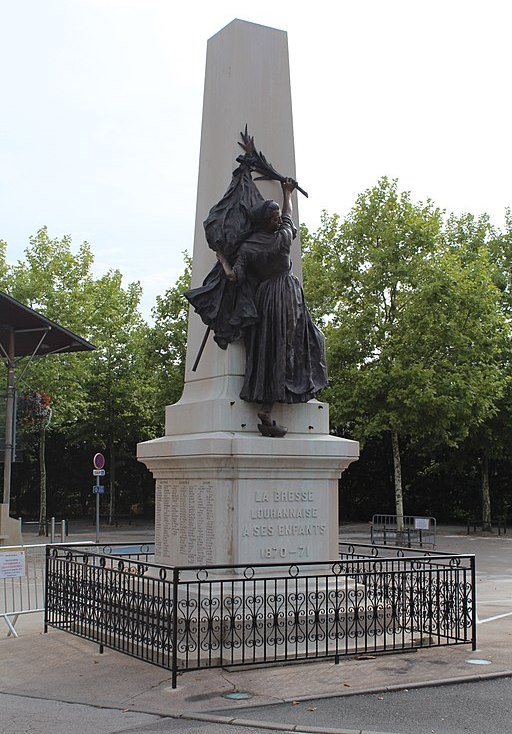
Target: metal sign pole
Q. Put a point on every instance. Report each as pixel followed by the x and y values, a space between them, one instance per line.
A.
pixel 97 511
pixel 98 462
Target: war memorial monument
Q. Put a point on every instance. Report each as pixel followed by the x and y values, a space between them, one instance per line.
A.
pixel 247 471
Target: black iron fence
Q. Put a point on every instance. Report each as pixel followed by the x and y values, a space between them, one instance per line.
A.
pixel 186 618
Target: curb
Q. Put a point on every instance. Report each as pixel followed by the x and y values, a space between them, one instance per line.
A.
pixel 277 726
pixel 308 729
pixel 399 687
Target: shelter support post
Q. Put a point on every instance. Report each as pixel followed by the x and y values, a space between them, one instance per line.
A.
pixel 10 528
pixel 9 415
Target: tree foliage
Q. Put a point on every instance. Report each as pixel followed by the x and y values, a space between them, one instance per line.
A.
pixel 413 320
pixel 416 307
pixel 106 400
pixel 167 343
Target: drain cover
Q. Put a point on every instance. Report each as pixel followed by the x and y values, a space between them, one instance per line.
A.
pixel 476 661
pixel 237 695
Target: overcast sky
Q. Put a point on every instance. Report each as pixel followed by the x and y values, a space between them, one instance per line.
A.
pixel 101 110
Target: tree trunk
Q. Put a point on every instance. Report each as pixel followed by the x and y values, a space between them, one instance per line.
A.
pixel 42 480
pixel 399 502
pixel 486 494
pixel 112 469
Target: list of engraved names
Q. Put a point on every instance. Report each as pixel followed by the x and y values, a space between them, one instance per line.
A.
pixel 185 520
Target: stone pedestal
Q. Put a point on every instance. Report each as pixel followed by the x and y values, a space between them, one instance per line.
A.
pixel 232 497
pixel 224 493
pixel 227 495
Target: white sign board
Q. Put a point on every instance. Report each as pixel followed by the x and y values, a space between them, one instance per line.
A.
pixel 12 564
pixel 421 523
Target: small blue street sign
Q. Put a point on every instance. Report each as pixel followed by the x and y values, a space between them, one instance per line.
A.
pixel 98 489
pixel 98 472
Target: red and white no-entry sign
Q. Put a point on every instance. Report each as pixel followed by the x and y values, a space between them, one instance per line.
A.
pixel 98 461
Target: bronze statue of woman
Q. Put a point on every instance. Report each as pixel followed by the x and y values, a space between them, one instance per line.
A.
pixel 252 294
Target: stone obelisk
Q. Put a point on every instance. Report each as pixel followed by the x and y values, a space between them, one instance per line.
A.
pixel 224 493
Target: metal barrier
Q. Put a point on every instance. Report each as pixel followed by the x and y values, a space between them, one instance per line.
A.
pixel 500 522
pixel 50 526
pixel 21 582
pixel 63 530
pixel 417 531
pixel 22 576
pixel 187 618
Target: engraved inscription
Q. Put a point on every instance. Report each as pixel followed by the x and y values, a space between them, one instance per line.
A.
pixel 285 524
pixel 185 520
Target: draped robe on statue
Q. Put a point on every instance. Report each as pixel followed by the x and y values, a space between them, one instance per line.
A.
pixel 285 352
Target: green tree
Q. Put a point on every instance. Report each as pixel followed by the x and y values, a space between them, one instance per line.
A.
pixel 35 416
pixel 119 409
pixel 167 343
pixel 4 267
pixel 488 443
pixel 413 324
pixel 101 400
pixel 59 284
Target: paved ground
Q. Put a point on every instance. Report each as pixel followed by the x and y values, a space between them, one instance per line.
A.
pixel 63 669
pixel 464 708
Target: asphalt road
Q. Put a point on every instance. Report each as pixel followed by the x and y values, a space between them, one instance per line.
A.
pixel 26 715
pixel 468 708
